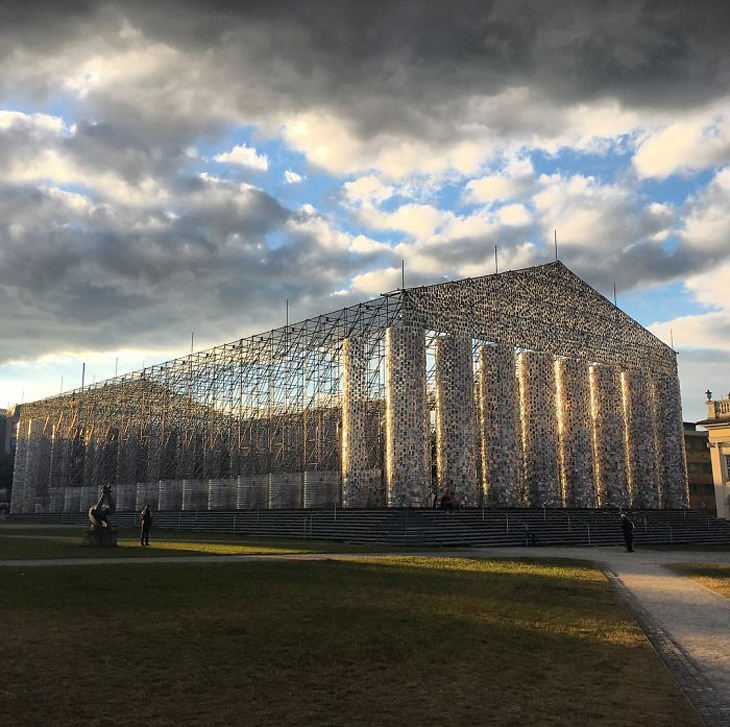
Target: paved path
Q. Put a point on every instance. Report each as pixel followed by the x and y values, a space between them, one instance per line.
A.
pixel 687 624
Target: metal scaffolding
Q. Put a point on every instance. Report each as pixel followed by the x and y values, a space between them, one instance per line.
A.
pixel 520 388
pixel 215 422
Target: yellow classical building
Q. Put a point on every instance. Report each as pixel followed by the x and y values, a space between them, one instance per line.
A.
pixel 718 426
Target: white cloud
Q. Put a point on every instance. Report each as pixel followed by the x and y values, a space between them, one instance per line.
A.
pixel 517 179
pixel 375 282
pixel 291 177
pixel 482 129
pixel 418 220
pixel 704 330
pixel 330 142
pixel 684 146
pixel 368 190
pixel 245 156
pixel 514 214
pixel 42 122
pixel 596 216
pixel 329 236
pixel 50 165
pixel 709 330
pixel 712 288
pixel 707 220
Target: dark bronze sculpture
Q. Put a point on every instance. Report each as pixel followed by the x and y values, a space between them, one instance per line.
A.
pixel 106 505
pixel 102 534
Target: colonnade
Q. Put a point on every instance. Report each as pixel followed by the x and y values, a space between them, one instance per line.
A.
pixel 512 428
pixel 529 429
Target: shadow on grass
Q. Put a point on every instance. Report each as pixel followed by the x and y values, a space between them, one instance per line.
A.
pixel 19 543
pixel 32 547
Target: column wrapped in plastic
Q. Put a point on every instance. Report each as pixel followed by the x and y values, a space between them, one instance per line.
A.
pixel 609 444
pixel 640 434
pixel 575 446
pixel 539 426
pixel 456 421
pixel 408 458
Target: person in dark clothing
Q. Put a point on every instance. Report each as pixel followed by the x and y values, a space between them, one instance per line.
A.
pixel 146 519
pixel 628 527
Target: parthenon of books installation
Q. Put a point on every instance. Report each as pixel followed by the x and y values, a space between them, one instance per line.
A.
pixel 524 388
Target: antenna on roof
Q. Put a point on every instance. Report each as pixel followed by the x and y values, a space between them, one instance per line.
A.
pixel 496 264
pixel 192 342
pixel 287 312
pixel 671 338
pixel 555 235
pixel 402 274
pixel 614 294
pixel 83 374
pixel 61 391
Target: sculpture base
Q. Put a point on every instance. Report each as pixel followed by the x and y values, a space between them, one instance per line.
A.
pixel 100 538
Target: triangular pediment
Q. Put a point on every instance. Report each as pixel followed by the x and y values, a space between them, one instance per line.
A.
pixel 547 308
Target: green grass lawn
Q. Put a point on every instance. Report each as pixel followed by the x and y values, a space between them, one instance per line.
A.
pixel 387 641
pixel 65 544
pixel 715 577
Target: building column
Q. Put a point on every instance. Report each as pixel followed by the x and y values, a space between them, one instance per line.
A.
pixel 358 487
pixel 456 421
pixel 21 449
pixel 609 453
pixel 499 424
pixel 640 436
pixel 408 457
pixel 718 454
pixel 32 464
pixel 670 442
pixel 539 426
pixel 57 469
pixel 575 452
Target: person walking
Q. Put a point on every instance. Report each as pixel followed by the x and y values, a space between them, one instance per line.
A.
pixel 146 520
pixel 628 527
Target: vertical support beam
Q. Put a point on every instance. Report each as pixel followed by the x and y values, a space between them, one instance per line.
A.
pixel 58 469
pixel 358 488
pixel 21 452
pixel 32 464
pixel 456 422
pixel 499 423
pixel 127 471
pixel 575 452
pixel 670 442
pixel 88 494
pixel 407 466
pixel 539 424
pixel 640 436
pixel 42 499
pixel 609 453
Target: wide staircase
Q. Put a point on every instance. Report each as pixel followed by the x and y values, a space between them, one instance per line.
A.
pixel 437 528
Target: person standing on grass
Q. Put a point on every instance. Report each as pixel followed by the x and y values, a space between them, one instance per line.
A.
pixel 628 527
pixel 146 520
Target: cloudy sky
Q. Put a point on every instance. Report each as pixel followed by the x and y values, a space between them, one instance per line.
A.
pixel 168 168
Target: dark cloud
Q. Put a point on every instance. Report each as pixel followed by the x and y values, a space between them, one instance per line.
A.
pixel 124 267
pixel 398 66
pixel 72 283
